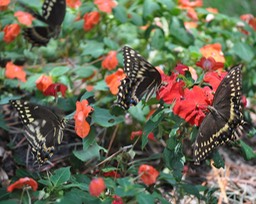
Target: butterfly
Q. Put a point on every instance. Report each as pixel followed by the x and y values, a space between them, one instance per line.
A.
pixel 142 78
pixel 42 128
pixel 224 122
pixel 53 13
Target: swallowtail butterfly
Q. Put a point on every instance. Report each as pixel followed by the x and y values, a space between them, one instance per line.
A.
pixel 142 78
pixel 224 122
pixel 42 128
pixel 53 13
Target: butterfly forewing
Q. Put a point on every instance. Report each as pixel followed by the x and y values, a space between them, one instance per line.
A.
pixel 43 128
pixel 225 119
pixel 54 11
pixel 142 79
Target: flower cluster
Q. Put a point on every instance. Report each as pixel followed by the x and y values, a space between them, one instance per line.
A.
pixel 191 103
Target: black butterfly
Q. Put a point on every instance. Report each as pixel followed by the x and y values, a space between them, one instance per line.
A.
pixel 53 13
pixel 224 122
pixel 142 78
pixel 42 128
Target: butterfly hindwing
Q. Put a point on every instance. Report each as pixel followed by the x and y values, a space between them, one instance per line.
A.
pixel 43 128
pixel 224 121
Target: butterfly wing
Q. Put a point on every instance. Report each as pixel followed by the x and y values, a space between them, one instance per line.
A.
pixel 144 79
pixel 42 128
pixel 225 119
pixel 54 12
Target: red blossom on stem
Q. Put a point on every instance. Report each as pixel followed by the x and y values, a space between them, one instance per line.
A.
pixel 114 80
pixel 23 182
pixel 105 5
pixel 90 20
pixel 214 79
pixel 110 62
pixel 82 127
pixel 43 82
pixel 193 106
pixel 97 186
pixel 148 174
pixel 117 200
pixel 209 64
pixel 11 32
pixel 15 71
pixel 139 134
pixel 24 18
pixel 74 3
pixel 53 89
pixel 172 91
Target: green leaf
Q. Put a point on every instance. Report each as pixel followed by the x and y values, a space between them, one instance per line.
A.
pixel 93 152
pixel 93 48
pixel 120 13
pixel 139 111
pixel 144 198
pixel 29 85
pixel 218 160
pixel 111 43
pixel 60 176
pixel 169 4
pixel 84 72
pixel 149 7
pixel 179 32
pixel 190 189
pixel 244 51
pixel 136 19
pixel 158 39
pixel 247 151
pixel 103 117
pixel 78 196
pixel 59 71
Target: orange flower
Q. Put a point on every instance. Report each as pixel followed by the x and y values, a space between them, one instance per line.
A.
pixel 24 18
pixel 82 127
pixel 74 3
pixel 105 5
pixel 22 182
pixel 4 4
pixel 14 71
pixel 43 82
pixel 214 51
pixel 148 174
pixel 212 10
pixel 11 32
pixel 91 19
pixel 191 13
pixel 114 80
pixel 111 61
pixel 97 186
pixel 190 25
pixel 188 3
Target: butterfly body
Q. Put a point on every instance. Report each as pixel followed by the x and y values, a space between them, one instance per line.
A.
pixel 224 122
pixel 42 128
pixel 53 14
pixel 142 79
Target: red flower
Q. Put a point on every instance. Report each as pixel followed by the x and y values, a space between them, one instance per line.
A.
pixel 11 32
pixel 91 19
pixel 139 134
pixel 74 3
pixel 105 5
pixel 97 186
pixel 194 104
pixel 209 64
pixel 4 4
pixel 14 71
pixel 214 79
pixel 114 80
pixel 181 68
pixel 54 88
pixel 192 14
pixel 250 19
pixel 173 91
pixel 214 51
pixel 113 174
pixel 148 174
pixel 82 127
pixel 24 18
pixel 110 62
pixel 117 200
pixel 23 182
pixel 43 82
